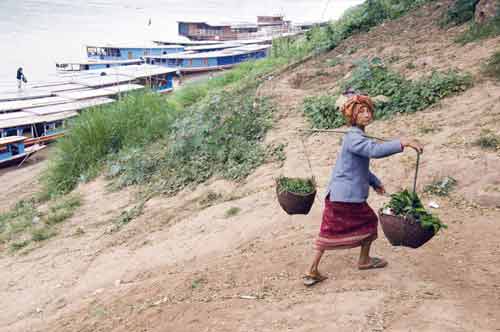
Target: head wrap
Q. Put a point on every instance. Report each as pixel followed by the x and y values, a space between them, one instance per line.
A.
pixel 351 107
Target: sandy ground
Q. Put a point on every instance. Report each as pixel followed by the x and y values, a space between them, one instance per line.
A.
pixel 184 266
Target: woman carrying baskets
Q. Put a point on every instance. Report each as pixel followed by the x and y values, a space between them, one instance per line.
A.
pixel 348 221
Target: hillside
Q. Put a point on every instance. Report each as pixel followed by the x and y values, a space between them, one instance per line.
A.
pixel 187 264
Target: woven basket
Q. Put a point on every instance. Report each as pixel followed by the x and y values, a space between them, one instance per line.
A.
pixel 294 203
pixel 405 232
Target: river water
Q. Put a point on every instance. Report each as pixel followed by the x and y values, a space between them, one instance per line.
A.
pixel 34 34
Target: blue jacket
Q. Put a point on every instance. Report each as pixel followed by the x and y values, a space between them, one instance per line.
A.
pixel 351 176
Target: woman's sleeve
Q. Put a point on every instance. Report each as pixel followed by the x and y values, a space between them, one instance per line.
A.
pixel 373 180
pixel 366 147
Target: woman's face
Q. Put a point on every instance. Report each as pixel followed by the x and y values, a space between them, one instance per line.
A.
pixel 364 117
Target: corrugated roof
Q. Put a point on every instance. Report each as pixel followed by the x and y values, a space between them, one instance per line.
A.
pixel 73 106
pixel 103 92
pixel 24 121
pixel 29 103
pixel 202 55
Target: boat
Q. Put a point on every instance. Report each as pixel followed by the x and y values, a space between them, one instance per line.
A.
pixel 129 51
pixel 90 64
pixel 187 62
pixel 14 152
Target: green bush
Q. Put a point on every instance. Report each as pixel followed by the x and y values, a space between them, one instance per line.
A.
pixel 480 31
pixel 459 12
pixel 17 220
pixel 322 113
pixel 405 96
pixel 221 136
pixel 488 140
pixel 492 66
pixel 441 187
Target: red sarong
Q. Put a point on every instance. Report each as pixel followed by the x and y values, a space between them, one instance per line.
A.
pixel 346 225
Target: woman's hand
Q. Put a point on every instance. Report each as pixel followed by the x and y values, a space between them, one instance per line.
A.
pixel 412 143
pixel 380 190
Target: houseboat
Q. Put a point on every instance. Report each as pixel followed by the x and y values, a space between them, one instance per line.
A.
pixel 91 64
pixel 205 61
pixel 13 150
pixel 130 52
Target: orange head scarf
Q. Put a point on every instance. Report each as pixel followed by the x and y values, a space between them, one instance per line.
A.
pixel 351 107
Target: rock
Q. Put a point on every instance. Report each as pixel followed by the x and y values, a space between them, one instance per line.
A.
pixel 486 10
pixel 381 99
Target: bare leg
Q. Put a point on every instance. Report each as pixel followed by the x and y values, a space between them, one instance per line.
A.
pixel 364 254
pixel 314 267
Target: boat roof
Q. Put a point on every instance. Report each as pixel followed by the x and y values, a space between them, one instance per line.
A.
pixel 30 103
pixel 213 47
pixel 202 55
pixel 223 24
pixel 133 45
pixel 98 62
pixel 185 42
pixel 11 139
pixel 28 120
pixel 102 92
pixel 135 71
pixel 94 81
pixel 73 106
pixel 27 93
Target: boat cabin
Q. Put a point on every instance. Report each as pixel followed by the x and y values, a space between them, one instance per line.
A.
pixel 11 146
pixel 130 52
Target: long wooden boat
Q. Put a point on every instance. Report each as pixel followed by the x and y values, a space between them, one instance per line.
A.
pixel 206 61
pixel 14 152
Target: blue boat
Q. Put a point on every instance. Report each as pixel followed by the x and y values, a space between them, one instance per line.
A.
pixel 130 52
pixel 90 64
pixel 12 150
pixel 205 61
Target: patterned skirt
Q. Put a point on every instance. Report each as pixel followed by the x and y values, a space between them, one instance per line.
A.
pixel 346 225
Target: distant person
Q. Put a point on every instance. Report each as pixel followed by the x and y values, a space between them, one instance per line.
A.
pixel 20 78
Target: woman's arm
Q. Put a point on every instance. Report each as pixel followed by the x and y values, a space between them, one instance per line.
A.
pixel 368 148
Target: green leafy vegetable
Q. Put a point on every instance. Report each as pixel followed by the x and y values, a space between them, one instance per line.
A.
pixel 296 185
pixel 407 204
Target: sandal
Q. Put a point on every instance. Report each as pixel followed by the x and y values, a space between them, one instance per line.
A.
pixel 312 279
pixel 375 263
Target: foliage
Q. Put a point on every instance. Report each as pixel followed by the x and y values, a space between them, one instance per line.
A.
pixel 480 31
pixel 488 140
pixel 220 137
pixel 296 185
pixel 459 12
pixel 231 212
pixel 17 220
pixel 405 96
pixel 492 66
pixel 407 204
pixel 322 113
pixel 26 218
pixel 441 187
pixel 135 120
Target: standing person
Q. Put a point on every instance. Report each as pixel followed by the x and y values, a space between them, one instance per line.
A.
pixel 20 78
pixel 348 221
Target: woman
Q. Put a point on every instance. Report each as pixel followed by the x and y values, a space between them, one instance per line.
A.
pixel 348 221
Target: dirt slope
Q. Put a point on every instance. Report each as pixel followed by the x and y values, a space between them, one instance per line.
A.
pixel 185 266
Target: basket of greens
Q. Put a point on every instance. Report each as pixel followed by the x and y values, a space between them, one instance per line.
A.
pixel 405 221
pixel 296 195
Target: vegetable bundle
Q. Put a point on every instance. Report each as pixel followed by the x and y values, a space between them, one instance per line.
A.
pixel 407 204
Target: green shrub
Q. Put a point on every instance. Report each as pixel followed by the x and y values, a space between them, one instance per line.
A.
pixel 221 136
pixel 441 187
pixel 17 220
pixel 488 140
pixel 492 66
pixel 322 113
pixel 406 96
pixel 42 234
pixel 459 12
pixel 480 31
pixel 231 212
pixel 296 185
